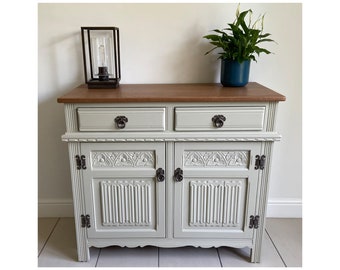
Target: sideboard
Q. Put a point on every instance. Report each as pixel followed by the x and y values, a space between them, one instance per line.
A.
pixel 170 165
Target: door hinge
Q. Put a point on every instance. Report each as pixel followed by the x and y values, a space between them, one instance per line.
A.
pixel 260 162
pixel 81 162
pixel 254 222
pixel 85 221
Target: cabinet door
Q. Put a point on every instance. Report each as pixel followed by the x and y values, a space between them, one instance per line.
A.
pixel 218 192
pixel 122 193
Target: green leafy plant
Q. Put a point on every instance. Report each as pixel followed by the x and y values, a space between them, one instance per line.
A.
pixel 240 41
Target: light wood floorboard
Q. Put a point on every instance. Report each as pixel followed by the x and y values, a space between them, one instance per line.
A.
pixel 282 246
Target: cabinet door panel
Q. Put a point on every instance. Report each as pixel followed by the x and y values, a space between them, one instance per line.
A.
pixel 122 192
pixel 218 191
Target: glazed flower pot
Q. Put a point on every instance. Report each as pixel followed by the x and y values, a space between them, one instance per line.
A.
pixel 234 73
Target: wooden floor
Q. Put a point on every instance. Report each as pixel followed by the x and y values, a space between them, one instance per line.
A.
pixel 282 247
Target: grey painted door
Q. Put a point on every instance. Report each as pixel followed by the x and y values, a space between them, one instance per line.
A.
pixel 122 194
pixel 218 191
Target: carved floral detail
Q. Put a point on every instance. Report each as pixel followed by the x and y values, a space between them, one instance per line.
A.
pixel 216 158
pixel 118 159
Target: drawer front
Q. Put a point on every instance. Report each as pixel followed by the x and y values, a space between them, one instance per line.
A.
pixel 136 119
pixel 219 118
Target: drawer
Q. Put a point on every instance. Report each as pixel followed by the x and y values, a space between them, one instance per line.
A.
pixel 219 118
pixel 107 119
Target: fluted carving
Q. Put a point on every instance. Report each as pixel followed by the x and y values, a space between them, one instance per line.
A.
pixel 215 203
pixel 126 203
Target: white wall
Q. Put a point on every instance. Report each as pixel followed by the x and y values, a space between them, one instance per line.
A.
pixel 162 43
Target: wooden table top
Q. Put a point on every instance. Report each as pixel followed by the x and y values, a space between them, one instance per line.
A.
pixel 252 92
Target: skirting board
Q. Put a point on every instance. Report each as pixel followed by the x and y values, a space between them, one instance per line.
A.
pixel 276 208
pixel 284 208
pixel 55 208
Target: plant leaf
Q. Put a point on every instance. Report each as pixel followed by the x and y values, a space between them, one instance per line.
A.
pixel 239 40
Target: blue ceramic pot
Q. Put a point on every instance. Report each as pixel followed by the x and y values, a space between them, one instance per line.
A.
pixel 234 73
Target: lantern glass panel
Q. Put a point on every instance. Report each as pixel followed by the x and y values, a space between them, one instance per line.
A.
pixel 102 54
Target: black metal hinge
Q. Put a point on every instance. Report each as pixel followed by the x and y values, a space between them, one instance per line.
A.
pixel 85 221
pixel 254 222
pixel 260 162
pixel 81 162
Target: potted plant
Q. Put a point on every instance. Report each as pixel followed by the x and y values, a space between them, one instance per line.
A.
pixel 239 43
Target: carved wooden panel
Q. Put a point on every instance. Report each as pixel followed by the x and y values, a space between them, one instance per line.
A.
pixel 238 159
pixel 216 203
pixel 124 198
pixel 120 159
pixel 218 191
pixel 125 202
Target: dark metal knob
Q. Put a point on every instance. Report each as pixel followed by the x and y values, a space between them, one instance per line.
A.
pixel 178 175
pixel 218 120
pixel 160 175
pixel 121 121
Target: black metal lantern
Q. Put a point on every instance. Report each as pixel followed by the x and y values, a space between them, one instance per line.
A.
pixel 101 56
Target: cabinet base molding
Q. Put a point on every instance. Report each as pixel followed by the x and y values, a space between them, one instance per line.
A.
pixel 171 243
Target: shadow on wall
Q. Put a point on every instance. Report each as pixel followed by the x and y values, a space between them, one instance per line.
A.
pixel 60 69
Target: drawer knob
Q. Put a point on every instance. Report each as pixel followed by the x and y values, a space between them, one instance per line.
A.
pixel 160 175
pixel 218 120
pixel 178 175
pixel 121 121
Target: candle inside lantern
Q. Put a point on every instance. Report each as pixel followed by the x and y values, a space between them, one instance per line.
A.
pixel 103 73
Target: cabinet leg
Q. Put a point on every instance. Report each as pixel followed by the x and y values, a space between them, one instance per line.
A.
pixel 255 256
pixel 79 207
pixel 83 254
pixel 83 249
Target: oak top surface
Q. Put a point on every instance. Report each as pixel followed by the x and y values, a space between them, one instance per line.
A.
pixel 252 92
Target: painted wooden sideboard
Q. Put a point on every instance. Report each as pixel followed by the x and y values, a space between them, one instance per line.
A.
pixel 170 165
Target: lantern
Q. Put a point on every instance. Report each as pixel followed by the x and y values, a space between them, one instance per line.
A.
pixel 101 56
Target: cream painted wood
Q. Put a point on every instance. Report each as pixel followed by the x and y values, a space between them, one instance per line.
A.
pixel 236 118
pixel 218 192
pixel 211 207
pixel 172 137
pixel 122 194
pixel 78 203
pixel 139 119
pixel 262 198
